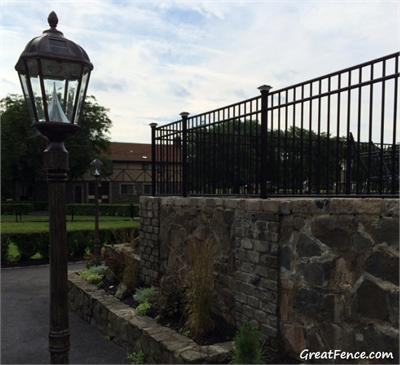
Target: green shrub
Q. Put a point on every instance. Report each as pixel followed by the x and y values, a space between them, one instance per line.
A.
pixel 40 205
pixel 146 295
pixel 116 210
pixel 143 308
pixel 200 289
pixel 79 242
pixel 247 345
pixel 16 208
pixel 136 357
pixel 94 274
pixel 13 255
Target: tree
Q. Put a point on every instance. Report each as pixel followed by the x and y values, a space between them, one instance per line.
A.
pixel 22 145
pixel 225 157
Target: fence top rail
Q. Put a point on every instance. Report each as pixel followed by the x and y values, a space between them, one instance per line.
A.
pixel 271 93
pixel 171 124
pixel 225 107
pixel 335 73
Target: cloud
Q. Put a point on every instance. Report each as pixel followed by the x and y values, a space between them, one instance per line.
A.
pixel 155 59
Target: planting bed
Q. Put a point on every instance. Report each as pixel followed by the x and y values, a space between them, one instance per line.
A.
pixel 123 325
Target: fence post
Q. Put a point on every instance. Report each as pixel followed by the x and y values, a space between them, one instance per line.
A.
pixel 184 116
pixel 153 158
pixel 262 175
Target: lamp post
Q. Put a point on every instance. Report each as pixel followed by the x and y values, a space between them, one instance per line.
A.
pixel 54 74
pixel 95 170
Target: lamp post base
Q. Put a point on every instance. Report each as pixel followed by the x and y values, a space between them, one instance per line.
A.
pixel 59 347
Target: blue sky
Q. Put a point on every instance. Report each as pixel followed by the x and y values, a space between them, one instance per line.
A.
pixel 154 59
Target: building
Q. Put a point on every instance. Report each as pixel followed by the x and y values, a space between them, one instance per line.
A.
pixel 128 176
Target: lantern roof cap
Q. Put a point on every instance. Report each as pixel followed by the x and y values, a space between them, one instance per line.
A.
pixel 53 45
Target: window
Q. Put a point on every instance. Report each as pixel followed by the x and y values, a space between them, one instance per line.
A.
pixel 127 189
pixel 147 189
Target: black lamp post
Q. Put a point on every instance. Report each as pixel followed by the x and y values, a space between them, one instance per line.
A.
pixel 54 74
pixel 95 170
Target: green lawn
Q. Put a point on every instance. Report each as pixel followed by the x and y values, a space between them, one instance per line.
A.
pixel 34 224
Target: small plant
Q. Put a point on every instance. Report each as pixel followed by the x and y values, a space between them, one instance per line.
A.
pixel 184 332
pixel 13 253
pixel 143 308
pixel 247 345
pixel 136 357
pixel 94 274
pixel 200 289
pixel 148 295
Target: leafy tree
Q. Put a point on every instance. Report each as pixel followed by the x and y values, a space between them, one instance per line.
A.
pixel 225 158
pixel 22 145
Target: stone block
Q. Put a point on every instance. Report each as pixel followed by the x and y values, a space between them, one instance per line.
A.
pixel 375 299
pixel 293 338
pixel 384 264
pixel 285 208
pixel 253 205
pixel 390 208
pixel 267 273
pixel 271 206
pixel 246 243
pixel 270 261
pixel 230 203
pixel 253 302
pixel 253 257
pixel 246 267
pixel 268 284
pixel 260 246
pixel 334 231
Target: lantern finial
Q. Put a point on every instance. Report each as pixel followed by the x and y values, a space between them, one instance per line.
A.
pixel 53 20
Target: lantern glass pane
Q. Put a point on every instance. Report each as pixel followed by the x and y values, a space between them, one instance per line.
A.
pixel 55 96
pixel 27 97
pixel 82 91
pixel 37 95
pixel 71 88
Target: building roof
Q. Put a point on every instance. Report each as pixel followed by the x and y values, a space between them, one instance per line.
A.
pixel 120 151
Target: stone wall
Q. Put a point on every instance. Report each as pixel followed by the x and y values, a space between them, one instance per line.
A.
pixel 121 324
pixel 310 273
pixel 340 275
pixel 149 243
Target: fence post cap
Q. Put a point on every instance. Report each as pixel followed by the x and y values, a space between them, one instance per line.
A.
pixel 264 88
pixel 153 125
pixel 184 114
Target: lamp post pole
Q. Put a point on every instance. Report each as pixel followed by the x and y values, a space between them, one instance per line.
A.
pixel 59 329
pixel 54 73
pixel 96 250
pixel 56 164
pixel 96 166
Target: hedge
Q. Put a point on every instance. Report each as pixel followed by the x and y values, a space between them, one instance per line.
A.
pixel 40 205
pixel 16 208
pixel 118 210
pixel 78 241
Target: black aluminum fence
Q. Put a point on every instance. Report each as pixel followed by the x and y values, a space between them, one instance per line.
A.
pixel 332 135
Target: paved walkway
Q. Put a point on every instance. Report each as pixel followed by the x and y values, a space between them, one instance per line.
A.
pixel 25 323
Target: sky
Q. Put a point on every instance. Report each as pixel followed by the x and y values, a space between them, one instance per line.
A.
pixel 154 59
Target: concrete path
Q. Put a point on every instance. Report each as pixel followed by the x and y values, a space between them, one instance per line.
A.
pixel 25 323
